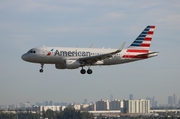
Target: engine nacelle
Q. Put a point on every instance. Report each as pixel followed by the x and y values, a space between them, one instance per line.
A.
pixel 60 66
pixel 68 64
pixel 72 64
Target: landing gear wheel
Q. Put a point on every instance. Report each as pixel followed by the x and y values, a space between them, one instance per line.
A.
pixel 41 70
pixel 83 71
pixel 89 71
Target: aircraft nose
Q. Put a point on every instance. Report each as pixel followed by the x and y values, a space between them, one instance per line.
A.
pixel 24 57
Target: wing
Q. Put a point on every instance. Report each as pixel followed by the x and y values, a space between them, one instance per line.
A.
pixel 92 59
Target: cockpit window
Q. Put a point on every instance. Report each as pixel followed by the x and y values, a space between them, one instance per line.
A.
pixel 31 51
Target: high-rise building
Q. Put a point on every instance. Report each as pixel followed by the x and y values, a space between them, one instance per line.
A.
pixel 50 103
pixel 102 105
pixel 136 106
pixel 174 99
pixel 116 105
pixel 130 96
pixel 154 102
pixel 170 100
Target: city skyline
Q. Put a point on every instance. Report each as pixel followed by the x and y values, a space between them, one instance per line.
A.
pixel 170 101
pixel 25 24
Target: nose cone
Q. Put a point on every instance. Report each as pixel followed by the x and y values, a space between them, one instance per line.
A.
pixel 25 57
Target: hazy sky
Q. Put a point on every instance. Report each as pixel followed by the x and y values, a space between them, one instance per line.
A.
pixel 25 24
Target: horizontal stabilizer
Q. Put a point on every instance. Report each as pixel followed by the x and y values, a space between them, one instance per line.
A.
pixel 147 55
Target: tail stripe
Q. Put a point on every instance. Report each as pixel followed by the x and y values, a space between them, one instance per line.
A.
pixel 145 45
pixel 147 39
pixel 134 50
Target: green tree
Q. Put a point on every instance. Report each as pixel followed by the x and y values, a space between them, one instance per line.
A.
pixel 50 114
pixel 87 115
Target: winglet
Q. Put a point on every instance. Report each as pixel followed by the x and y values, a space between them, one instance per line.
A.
pixel 91 46
pixel 120 49
pixel 122 46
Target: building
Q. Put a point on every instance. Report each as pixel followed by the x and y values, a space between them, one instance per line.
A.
pixel 174 99
pixel 150 99
pixel 84 107
pixel 154 102
pixel 27 104
pixel 102 105
pixel 136 106
pixel 130 96
pixel 116 105
pixel 170 101
pixel 50 103
pixel 75 106
pixel 91 107
pixel 53 108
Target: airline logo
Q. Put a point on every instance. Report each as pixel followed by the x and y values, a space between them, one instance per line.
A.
pixel 141 45
pixel 72 53
pixel 49 53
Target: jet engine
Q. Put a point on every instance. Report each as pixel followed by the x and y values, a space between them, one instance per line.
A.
pixel 68 64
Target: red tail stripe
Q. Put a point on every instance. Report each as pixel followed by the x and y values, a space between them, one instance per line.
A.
pixel 147 39
pixel 138 51
pixel 145 45
pixel 152 26
pixel 150 32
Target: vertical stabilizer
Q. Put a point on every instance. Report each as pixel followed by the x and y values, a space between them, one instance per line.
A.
pixel 141 44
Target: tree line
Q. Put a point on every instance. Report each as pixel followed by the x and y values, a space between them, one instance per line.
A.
pixel 68 113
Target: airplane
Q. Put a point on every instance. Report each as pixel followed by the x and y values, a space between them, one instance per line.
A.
pixel 72 58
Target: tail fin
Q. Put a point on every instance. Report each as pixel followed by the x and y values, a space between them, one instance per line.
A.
pixel 143 41
pixel 141 44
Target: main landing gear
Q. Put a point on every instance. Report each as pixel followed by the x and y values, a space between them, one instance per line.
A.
pixel 41 70
pixel 83 71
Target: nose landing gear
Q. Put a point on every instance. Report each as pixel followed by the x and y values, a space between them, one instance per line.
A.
pixel 41 70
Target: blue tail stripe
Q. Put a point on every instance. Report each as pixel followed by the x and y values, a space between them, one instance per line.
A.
pixel 141 35
pixel 140 41
pixel 135 44
pixel 146 29
pixel 145 32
